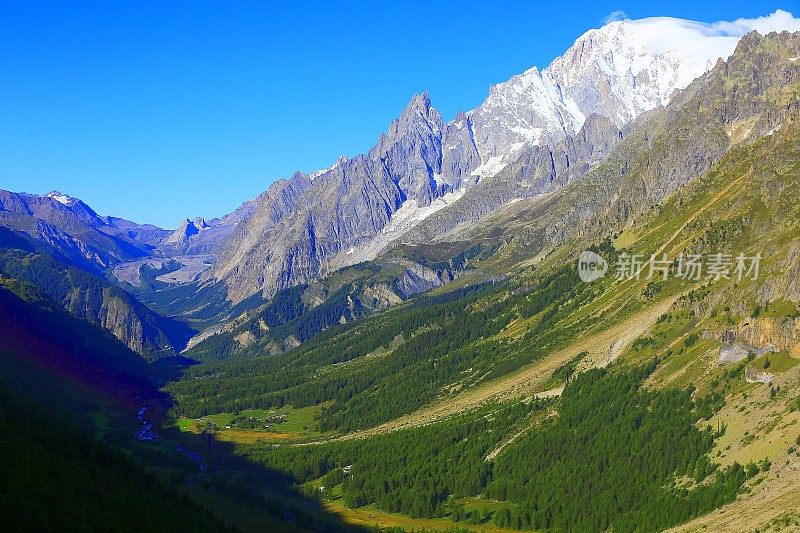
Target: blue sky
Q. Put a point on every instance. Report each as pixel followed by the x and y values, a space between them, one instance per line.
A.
pixel 155 111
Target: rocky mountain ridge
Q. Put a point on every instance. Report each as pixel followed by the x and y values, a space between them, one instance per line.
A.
pixel 535 133
pixel 312 224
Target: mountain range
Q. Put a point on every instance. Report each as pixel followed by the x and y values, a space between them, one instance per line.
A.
pixel 424 179
pixel 422 164
pixel 403 338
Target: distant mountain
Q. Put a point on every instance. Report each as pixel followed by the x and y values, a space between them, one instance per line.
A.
pixel 534 134
pixel 94 242
pixel 71 226
pixel 186 231
pixel 204 237
pixel 311 224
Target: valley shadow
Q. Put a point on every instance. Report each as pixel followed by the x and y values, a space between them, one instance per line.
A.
pixel 239 491
pixel 165 369
pixel 86 379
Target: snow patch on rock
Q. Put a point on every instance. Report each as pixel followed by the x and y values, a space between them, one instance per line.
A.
pixel 404 219
pixel 320 172
pixel 62 198
pixel 620 70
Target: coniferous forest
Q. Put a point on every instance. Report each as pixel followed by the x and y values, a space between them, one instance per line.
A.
pixel 615 456
pixel 571 304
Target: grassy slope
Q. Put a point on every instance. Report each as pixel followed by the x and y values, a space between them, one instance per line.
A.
pixel 746 205
pixel 706 217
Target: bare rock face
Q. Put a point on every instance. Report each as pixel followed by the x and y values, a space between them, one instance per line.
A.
pixel 116 316
pixel 534 133
pixel 752 375
pixel 784 334
pixel 142 330
pixel 417 279
pixel 185 231
pixel 537 170
pixel 787 285
pixel 380 296
pixel 304 224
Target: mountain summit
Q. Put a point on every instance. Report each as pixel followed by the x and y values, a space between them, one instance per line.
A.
pixel 620 71
pixel 311 224
pixel 62 198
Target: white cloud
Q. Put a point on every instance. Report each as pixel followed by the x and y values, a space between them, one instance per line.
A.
pixel 615 16
pixel 699 44
pixel 702 40
pixel 778 21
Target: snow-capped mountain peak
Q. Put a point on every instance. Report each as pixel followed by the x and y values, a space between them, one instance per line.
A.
pixel 61 198
pixel 421 164
pixel 620 70
pixel 628 67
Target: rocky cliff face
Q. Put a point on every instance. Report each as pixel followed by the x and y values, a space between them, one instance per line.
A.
pixel 534 133
pixel 783 334
pixel 136 326
pixel 537 170
pixel 305 224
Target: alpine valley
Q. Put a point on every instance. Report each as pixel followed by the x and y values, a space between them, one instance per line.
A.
pixel 404 341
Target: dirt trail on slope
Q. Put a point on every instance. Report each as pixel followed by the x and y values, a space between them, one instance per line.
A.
pixel 533 423
pixel 602 347
pixel 711 201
